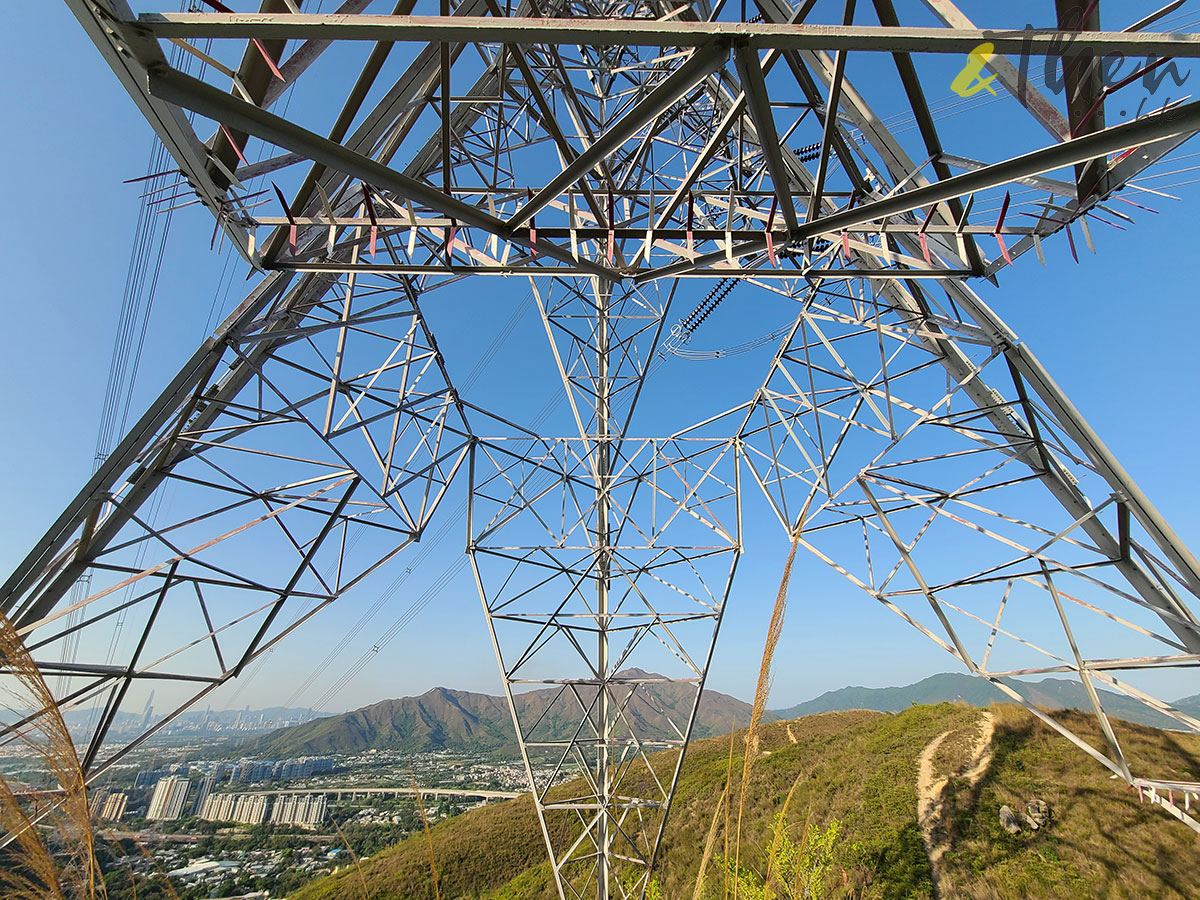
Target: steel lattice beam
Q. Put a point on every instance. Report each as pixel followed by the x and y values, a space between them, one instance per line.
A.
pixel 636 32
pixel 321 420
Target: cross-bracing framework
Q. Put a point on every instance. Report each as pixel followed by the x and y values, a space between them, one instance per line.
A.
pixel 610 153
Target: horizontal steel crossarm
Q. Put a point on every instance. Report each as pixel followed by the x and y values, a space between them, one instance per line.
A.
pixel 1191 786
pixel 453 271
pixel 617 678
pixel 56 666
pixel 650 33
pixel 1115 178
pixel 664 618
pixel 592 232
pixel 191 93
pixel 1184 119
pixel 764 271
pixel 632 803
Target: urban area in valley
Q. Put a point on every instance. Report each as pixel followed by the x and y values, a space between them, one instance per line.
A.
pixel 190 814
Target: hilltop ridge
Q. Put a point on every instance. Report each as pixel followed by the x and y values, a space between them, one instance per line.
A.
pixel 447 719
pixel 1048 693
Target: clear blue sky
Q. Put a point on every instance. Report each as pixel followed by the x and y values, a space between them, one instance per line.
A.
pixel 1117 331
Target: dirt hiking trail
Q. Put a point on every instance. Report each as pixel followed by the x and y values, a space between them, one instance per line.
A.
pixel 930 787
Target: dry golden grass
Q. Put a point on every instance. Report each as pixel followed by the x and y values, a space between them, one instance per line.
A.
pixel 38 874
pixel 761 693
pixel 437 892
pixel 710 841
pixel 358 870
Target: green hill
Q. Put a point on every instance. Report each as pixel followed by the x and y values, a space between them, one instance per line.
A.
pixel 861 769
pixel 445 719
pixel 945 688
pixel 949 687
pixel 1190 705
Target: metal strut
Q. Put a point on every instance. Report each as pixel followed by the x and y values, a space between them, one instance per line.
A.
pixel 318 432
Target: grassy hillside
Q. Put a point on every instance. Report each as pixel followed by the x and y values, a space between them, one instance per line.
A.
pixel 1104 843
pixel 860 768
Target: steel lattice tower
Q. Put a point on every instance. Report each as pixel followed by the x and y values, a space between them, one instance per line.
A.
pixel 316 434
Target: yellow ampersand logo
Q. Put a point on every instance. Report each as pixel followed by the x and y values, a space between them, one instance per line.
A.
pixel 968 83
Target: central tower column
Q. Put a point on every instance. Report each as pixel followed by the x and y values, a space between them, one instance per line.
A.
pixel 603 573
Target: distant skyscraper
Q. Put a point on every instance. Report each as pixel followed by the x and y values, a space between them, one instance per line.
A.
pixel 251 809
pixel 218 807
pixel 170 795
pixel 149 712
pixel 148 778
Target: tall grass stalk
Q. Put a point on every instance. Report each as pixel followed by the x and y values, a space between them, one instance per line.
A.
pixel 760 699
pixel 428 837
pixel 354 858
pixel 711 840
pixel 768 882
pixel 38 875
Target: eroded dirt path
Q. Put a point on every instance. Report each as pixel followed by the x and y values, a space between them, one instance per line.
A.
pixel 930 786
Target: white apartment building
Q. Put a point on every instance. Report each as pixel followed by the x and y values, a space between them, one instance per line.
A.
pixel 305 810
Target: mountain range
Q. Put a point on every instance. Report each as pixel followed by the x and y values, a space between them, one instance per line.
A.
pixel 1049 693
pixel 447 719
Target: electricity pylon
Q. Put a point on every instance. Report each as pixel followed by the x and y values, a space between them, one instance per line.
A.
pixel 611 154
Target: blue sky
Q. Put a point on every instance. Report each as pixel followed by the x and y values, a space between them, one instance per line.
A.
pixel 1117 331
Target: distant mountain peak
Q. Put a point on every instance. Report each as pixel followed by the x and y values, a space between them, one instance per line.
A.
pixel 639 673
pixel 445 718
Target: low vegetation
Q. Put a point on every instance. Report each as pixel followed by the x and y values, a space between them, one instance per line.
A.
pixel 852 778
pixel 1103 842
